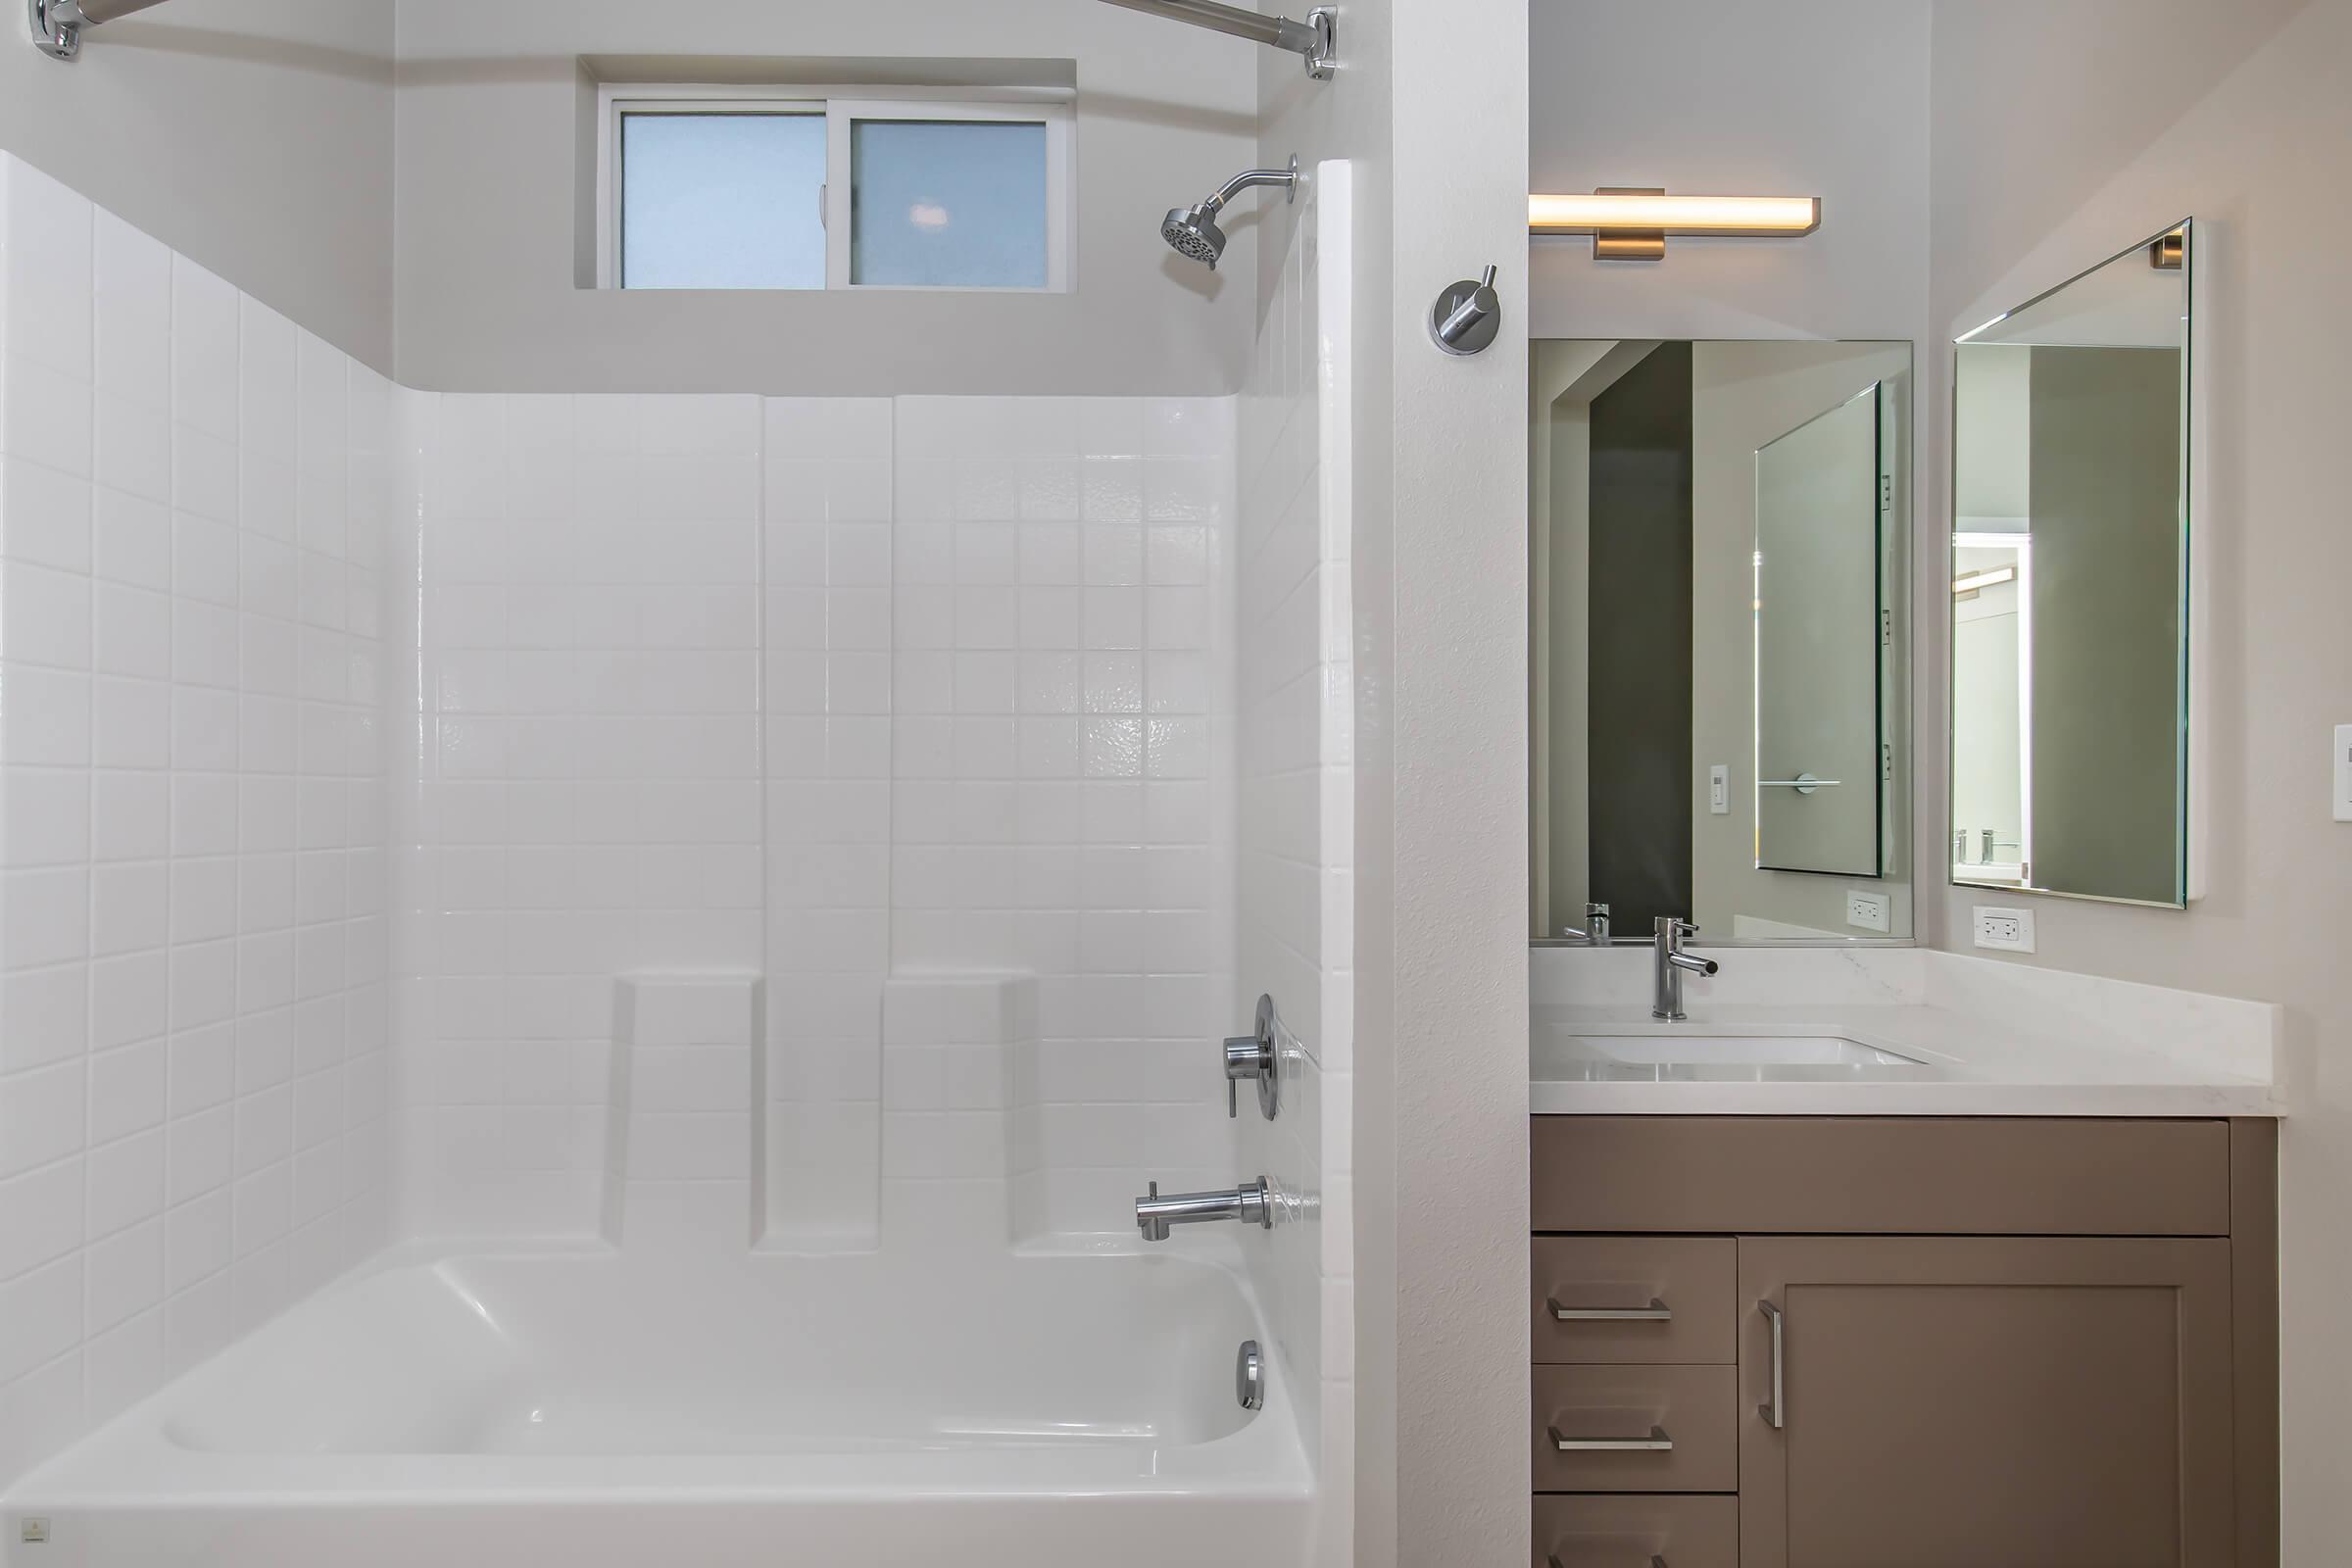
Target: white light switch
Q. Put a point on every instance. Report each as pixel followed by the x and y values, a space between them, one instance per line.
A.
pixel 2343 772
pixel 1719 790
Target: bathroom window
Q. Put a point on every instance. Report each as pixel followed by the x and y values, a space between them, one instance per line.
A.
pixel 736 188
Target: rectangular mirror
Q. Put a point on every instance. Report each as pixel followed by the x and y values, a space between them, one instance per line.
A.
pixel 2071 587
pixel 1720 639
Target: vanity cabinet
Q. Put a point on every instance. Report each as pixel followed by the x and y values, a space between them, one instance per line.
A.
pixel 1811 1382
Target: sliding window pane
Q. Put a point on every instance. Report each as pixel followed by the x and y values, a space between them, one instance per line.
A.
pixel 947 204
pixel 723 201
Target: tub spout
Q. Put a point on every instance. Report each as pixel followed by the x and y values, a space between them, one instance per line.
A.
pixel 1252 1205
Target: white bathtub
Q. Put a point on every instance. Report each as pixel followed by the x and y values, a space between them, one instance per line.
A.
pixel 529 1408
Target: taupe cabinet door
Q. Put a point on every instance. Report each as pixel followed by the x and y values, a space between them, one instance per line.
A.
pixel 1966 1402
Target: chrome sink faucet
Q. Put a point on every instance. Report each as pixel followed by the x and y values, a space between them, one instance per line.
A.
pixel 1672 964
pixel 1595 932
pixel 1252 1205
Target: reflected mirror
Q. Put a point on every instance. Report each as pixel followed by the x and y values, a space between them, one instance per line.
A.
pixel 1719 639
pixel 2070 587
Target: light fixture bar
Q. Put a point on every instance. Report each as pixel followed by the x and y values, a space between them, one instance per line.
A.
pixel 1631 225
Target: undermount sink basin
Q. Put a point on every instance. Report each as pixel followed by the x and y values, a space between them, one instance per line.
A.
pixel 1741 1051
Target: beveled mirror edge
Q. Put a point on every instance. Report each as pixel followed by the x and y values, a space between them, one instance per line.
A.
pixel 1914 410
pixel 2195 641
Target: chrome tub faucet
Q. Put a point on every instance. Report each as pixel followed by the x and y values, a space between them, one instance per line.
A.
pixel 1252 1205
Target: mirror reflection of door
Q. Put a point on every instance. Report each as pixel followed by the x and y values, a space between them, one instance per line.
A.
pixel 1822 492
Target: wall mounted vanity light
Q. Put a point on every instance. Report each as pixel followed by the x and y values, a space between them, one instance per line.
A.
pixel 1630 224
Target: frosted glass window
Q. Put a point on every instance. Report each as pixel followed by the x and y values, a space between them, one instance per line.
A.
pixel 949 204
pixel 723 201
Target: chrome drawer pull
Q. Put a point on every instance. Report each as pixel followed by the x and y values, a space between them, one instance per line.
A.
pixel 1776 1413
pixel 1656 1561
pixel 1656 1442
pixel 1658 1311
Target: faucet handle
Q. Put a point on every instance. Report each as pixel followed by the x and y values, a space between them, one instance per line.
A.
pixel 1254 1056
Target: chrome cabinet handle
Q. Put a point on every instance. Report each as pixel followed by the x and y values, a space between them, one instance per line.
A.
pixel 1656 1442
pixel 1656 1561
pixel 1776 1413
pixel 1658 1311
pixel 1807 785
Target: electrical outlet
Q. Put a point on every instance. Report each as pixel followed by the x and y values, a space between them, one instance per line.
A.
pixel 2005 930
pixel 1719 790
pixel 2343 772
pixel 1871 912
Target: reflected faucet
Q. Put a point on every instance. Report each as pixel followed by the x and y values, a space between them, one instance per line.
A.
pixel 1252 1205
pixel 1595 932
pixel 1672 964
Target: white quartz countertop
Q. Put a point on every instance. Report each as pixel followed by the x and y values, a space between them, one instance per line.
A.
pixel 1987 1040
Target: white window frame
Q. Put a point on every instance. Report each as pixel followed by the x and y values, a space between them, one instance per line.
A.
pixel 840 107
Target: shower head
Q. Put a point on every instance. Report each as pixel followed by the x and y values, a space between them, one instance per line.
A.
pixel 1193 232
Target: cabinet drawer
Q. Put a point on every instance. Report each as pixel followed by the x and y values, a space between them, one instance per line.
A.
pixel 1636 1429
pixel 1655 1299
pixel 1637 1532
pixel 1914 1176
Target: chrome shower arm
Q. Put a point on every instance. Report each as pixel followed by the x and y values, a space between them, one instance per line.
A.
pixel 1287 178
pixel 57 23
pixel 1311 38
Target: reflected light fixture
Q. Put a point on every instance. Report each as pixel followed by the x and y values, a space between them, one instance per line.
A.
pixel 1630 224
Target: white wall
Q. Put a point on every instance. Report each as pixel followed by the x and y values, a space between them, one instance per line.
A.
pixel 2227 113
pixel 193 942
pixel 251 136
pixel 1453 676
pixel 489 186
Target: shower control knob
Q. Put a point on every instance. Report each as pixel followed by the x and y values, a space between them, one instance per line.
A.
pixel 1467 316
pixel 1254 1056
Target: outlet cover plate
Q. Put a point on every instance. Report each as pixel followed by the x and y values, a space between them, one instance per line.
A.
pixel 1719 790
pixel 2005 930
pixel 1872 911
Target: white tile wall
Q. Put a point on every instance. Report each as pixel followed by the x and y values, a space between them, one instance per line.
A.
pixel 1060 758
pixel 684 1135
pixel 193 867
pixel 588 767
pixel 1297 817
pixel 828 695
pixel 952 1041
